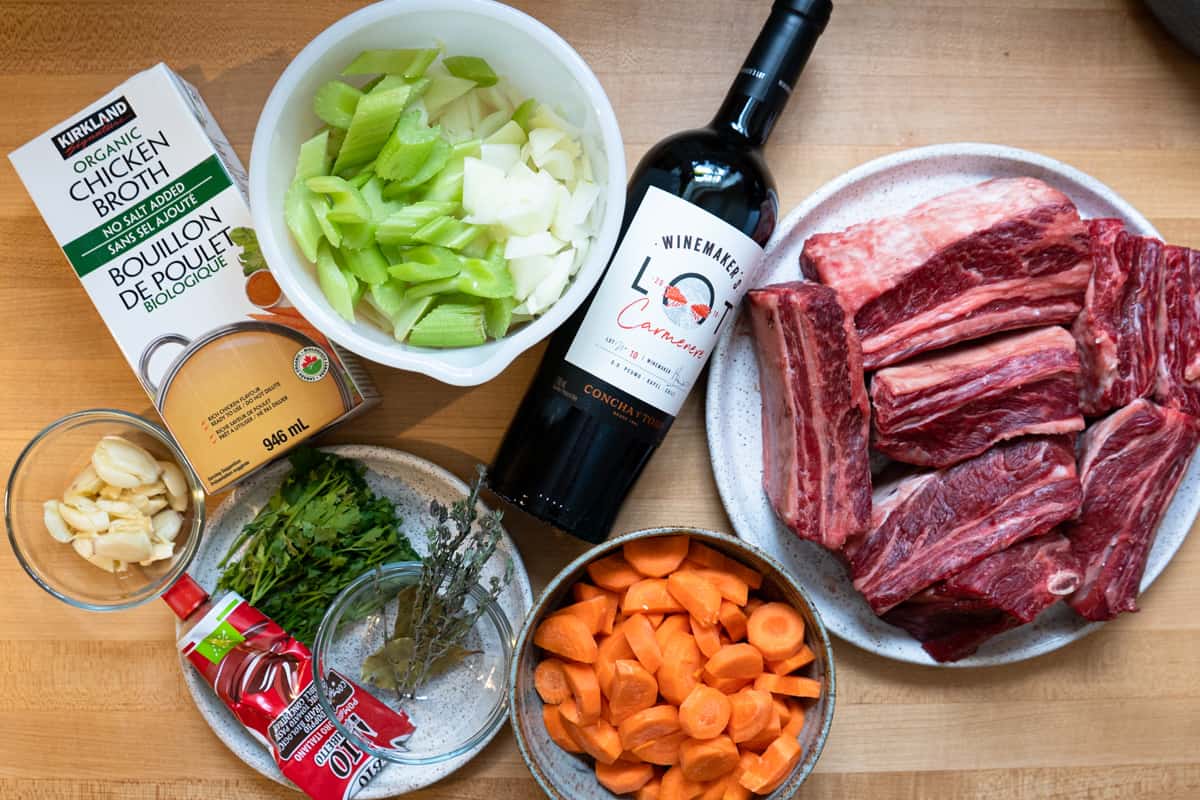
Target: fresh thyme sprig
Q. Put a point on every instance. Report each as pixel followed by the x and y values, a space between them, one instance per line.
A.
pixel 461 543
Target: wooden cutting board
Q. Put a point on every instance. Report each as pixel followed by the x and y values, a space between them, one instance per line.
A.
pixel 93 706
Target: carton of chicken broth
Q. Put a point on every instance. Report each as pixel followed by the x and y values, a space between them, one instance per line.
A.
pixel 142 190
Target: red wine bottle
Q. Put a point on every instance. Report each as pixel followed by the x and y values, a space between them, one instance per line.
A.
pixel 701 205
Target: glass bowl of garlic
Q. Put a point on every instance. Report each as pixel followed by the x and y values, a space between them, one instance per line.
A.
pixel 103 511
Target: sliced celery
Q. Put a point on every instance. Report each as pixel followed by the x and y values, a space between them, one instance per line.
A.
pixel 410 63
pixel 367 264
pixel 381 208
pixel 485 278
pixel 387 296
pixel 301 219
pixel 432 288
pixel 320 209
pixel 444 90
pixel 408 314
pixel 447 232
pixel 333 282
pixel 434 164
pixel 426 263
pixel 357 235
pixel 450 325
pixel 374 119
pixel 335 102
pixel 407 148
pixel 524 113
pixel 348 203
pixel 314 157
pixel 472 68
pixel 401 226
pixel 497 316
pixel 447 185
pixel 337 137
pixel 357 287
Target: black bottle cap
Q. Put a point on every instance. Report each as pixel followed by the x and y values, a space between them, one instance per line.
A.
pixel 816 11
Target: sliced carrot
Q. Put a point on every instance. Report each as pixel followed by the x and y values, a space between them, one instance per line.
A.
pixel 697 595
pixel 773 766
pixel 622 777
pixel 633 689
pixel 791 685
pixel 732 620
pixel 647 725
pixel 655 619
pixel 628 756
pixel 640 635
pixel 551 682
pixel 681 664
pixel 750 713
pixel 613 573
pixel 558 734
pixel 567 636
pixel 610 649
pixel 593 613
pixel 777 630
pixel 705 556
pixel 585 591
pixel 704 713
pixel 731 587
pixel 767 735
pixel 663 751
pixel 787 666
pixel 782 709
pixel 569 711
pixel 708 759
pixel 752 605
pixel 677 786
pixel 734 789
pixel 585 689
pixel 657 557
pixel 795 721
pixel 735 661
pixel 651 791
pixel 671 625
pixel 708 639
pixel 650 596
pixel 599 740
pixel 726 685
pixel 715 790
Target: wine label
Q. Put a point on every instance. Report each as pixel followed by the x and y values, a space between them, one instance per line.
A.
pixel 669 291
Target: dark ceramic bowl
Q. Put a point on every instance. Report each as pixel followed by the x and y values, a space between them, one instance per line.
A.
pixel 564 776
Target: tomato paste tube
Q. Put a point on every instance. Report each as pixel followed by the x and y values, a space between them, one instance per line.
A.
pixel 265 677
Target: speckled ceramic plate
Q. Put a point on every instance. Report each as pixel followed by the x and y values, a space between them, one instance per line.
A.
pixel 886 186
pixel 411 483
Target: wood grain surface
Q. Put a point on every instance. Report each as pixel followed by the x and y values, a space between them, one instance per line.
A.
pixel 93 706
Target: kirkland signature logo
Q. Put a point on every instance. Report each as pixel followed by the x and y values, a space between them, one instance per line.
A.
pixel 93 127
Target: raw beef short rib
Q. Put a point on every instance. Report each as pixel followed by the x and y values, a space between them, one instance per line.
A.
pixel 1004 254
pixel 927 527
pixel 945 407
pixel 1178 379
pixel 1131 464
pixel 815 413
pixel 1117 329
pixel 1011 588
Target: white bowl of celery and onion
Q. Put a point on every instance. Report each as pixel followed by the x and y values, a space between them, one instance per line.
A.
pixel 437 184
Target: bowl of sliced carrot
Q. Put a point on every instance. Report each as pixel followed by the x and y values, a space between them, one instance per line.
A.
pixel 672 664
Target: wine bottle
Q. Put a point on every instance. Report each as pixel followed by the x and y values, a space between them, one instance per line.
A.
pixel 701 205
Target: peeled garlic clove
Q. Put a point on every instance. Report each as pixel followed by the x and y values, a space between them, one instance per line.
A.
pixel 139 524
pixel 150 489
pixel 110 492
pixel 85 504
pixel 154 505
pixel 122 546
pixel 177 488
pixel 106 564
pixel 118 508
pixel 161 550
pixel 86 483
pixel 167 524
pixel 83 520
pixel 122 463
pixel 85 546
pixel 54 522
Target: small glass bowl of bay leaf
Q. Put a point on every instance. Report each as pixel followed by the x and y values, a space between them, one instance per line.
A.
pixel 366 636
